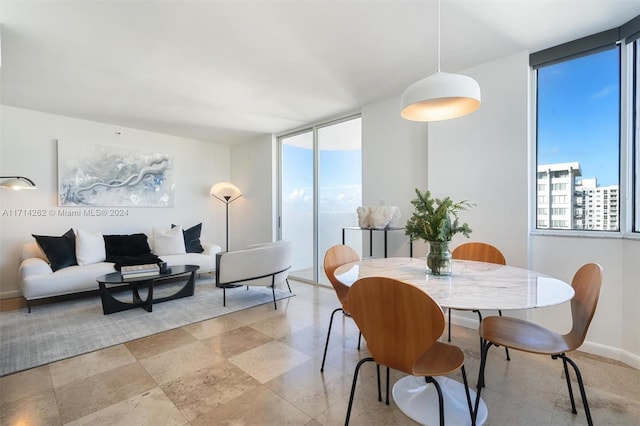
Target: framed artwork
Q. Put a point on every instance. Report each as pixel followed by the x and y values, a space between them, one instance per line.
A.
pixel 107 176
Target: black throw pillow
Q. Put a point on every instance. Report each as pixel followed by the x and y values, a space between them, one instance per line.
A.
pixel 144 259
pixel 192 238
pixel 60 251
pixel 126 245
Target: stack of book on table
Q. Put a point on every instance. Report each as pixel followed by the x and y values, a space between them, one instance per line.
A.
pixel 138 271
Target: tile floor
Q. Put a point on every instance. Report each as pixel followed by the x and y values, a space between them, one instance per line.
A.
pixel 262 367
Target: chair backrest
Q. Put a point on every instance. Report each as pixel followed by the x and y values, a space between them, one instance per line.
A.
pixel 260 260
pixel 334 257
pixel 481 252
pixel 586 284
pixel 399 321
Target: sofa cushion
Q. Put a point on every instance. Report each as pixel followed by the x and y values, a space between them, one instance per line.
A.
pixel 126 245
pixel 127 250
pixel 60 251
pixel 192 243
pixel 170 241
pixel 89 248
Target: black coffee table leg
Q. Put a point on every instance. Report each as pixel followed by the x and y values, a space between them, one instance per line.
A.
pixel 187 290
pixel 111 305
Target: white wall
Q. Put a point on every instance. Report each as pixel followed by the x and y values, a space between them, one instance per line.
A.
pixel 394 164
pixel 253 170
pixel 28 148
pixel 483 158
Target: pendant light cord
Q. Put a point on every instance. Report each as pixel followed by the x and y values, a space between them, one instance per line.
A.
pixel 438 35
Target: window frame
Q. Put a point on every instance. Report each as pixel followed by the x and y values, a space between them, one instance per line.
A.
pixel 629 122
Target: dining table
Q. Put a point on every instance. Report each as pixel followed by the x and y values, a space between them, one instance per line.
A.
pixel 471 286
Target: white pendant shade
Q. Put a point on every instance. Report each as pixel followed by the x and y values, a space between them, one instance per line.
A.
pixel 441 96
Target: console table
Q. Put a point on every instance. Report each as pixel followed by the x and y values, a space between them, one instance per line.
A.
pixel 371 230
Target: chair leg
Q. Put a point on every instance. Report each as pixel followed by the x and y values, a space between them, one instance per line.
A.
pixel 326 345
pixel 379 390
pixel 483 360
pixel 466 389
pixel 583 394
pixel 479 321
pixel 287 281
pixel 224 296
pixel 353 387
pixel 359 339
pixel 440 399
pixel 506 350
pixel 273 290
pixel 387 401
pixel 449 313
pixel 568 379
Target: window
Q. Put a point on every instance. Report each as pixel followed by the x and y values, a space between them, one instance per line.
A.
pixel 578 135
pixel 320 189
pixel 587 131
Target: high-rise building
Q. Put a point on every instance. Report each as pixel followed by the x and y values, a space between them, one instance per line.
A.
pixel 600 211
pixel 557 195
pixel 568 201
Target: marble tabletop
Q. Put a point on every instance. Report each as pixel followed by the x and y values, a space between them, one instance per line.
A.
pixel 472 285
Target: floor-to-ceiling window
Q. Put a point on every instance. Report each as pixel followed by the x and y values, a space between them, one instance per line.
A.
pixel 320 189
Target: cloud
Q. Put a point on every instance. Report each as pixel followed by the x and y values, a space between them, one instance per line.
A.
pixel 604 92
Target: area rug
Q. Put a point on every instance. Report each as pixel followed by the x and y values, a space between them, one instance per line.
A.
pixel 60 330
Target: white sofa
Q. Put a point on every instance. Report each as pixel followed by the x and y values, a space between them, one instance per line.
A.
pixel 257 265
pixel 39 281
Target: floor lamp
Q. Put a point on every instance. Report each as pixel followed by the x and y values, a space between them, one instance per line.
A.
pixel 227 193
pixel 17 183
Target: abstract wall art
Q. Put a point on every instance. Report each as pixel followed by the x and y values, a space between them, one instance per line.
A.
pixel 108 176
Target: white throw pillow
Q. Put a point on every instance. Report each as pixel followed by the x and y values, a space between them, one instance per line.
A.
pixel 89 248
pixel 170 241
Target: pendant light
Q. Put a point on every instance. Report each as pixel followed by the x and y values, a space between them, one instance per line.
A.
pixel 440 96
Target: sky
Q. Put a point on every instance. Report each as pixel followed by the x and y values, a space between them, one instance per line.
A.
pixel 578 115
pixel 339 178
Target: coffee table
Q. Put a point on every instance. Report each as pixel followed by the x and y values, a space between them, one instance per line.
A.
pixel 113 282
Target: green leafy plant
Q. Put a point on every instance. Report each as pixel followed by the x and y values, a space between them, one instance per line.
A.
pixel 436 219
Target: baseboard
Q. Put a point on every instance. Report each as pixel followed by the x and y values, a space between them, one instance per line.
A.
pixel 593 348
pixel 630 359
pixel 464 321
pixel 611 352
pixel 10 294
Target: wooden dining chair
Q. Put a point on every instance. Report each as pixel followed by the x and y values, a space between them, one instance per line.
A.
pixel 480 252
pixel 526 336
pixel 334 257
pixel 402 324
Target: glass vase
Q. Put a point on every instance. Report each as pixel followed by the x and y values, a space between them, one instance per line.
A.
pixel 439 258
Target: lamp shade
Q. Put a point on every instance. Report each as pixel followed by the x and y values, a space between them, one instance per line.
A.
pixel 441 96
pixel 225 191
pixel 17 183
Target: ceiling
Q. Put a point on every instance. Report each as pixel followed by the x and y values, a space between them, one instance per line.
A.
pixel 225 71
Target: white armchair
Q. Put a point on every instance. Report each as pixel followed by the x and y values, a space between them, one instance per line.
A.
pixel 258 265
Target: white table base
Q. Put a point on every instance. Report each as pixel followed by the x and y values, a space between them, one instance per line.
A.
pixel 419 401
